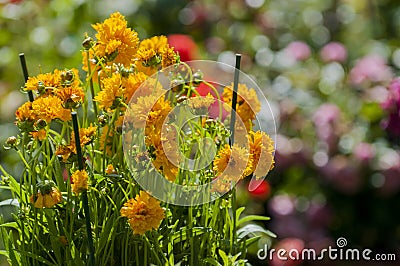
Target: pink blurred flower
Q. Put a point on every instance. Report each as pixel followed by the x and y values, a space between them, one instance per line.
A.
pixel 371 68
pixel 343 174
pixel 392 106
pixel 326 120
pixel 185 46
pixel 292 246
pixel 364 152
pixel 333 51
pixel 299 50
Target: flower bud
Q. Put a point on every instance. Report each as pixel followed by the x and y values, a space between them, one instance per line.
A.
pixel 87 43
pixel 11 142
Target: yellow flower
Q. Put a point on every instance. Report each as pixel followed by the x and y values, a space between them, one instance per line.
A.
pixel 106 140
pixel 71 97
pixel 44 82
pixel 201 102
pixel 169 57
pixel 149 111
pixel 115 40
pixel 232 162
pixel 261 151
pixel 47 196
pixel 49 108
pixel 111 90
pixel 86 136
pixel 247 106
pixel 144 213
pixel 24 113
pixel 222 184
pixel 39 135
pixel 79 181
pixel 65 152
pixel 110 169
pixel 154 52
pixel 131 84
pixel 163 149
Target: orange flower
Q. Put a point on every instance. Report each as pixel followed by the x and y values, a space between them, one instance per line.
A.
pixel 49 108
pixel 143 212
pixel 233 162
pixel 261 151
pixel 247 106
pixel 111 90
pixel 115 40
pixel 79 181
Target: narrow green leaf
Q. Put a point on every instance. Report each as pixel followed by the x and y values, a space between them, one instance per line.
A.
pixel 212 261
pixel 10 224
pixel 252 218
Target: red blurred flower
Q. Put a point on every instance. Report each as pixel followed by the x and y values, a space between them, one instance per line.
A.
pixel 184 45
pixel 262 191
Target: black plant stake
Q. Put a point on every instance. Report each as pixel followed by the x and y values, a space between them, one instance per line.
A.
pixel 85 200
pixel 26 75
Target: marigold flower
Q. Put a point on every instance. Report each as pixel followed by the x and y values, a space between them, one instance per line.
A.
pixel 261 151
pixel 163 149
pixel 79 181
pixel 24 112
pixel 233 162
pixel 115 40
pixel 49 108
pixel 149 110
pixel 44 82
pixel 70 96
pixel 169 57
pixel 144 213
pixel 247 106
pixel 111 90
pixel 47 196
pixel 131 84
pixel 201 102
pixel 86 136
pixel 155 51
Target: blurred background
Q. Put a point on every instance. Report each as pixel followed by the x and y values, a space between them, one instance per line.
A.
pixel 327 67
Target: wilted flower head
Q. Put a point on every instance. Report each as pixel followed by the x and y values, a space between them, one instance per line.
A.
pixel 47 195
pixel 333 51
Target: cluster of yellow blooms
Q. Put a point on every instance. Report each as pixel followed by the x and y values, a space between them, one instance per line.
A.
pixel 118 63
pixel 58 93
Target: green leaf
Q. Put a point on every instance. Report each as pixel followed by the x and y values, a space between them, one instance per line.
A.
pixel 182 235
pixel 4 253
pixel 253 229
pixel 212 261
pixel 10 224
pixel 239 212
pixel 252 218
pixel 224 257
pixel 252 240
